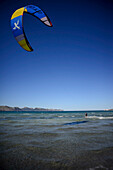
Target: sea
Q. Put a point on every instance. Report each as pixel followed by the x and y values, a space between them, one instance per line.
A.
pixel 56 140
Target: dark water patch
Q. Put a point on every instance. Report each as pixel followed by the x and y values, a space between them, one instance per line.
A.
pixel 6 146
pixel 63 129
pixel 35 143
pixel 18 126
pixel 8 122
pixel 22 135
pixel 28 162
pixel 47 134
pixel 3 133
pixel 37 126
pixel 108 124
pixel 74 123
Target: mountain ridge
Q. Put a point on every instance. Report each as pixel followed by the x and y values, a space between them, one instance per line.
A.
pixel 8 108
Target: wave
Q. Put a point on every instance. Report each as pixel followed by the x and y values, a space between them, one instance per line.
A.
pixel 66 116
pixel 27 114
pixel 98 117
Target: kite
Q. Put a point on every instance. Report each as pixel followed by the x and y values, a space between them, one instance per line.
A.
pixel 17 24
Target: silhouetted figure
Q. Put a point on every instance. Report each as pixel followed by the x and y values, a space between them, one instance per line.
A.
pixel 85 114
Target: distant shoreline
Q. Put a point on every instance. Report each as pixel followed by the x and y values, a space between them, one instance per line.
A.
pixel 108 109
pixel 8 108
pixel 17 109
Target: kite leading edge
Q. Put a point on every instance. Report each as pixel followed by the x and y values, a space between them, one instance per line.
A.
pixel 17 24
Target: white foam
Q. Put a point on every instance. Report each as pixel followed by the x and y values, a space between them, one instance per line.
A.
pixel 98 167
pixel 26 114
pixel 98 117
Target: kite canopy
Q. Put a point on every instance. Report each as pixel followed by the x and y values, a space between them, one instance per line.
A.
pixel 17 24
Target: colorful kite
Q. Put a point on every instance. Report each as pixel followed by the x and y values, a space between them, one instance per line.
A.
pixel 17 24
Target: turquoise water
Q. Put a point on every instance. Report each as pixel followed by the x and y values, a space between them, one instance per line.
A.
pixel 56 140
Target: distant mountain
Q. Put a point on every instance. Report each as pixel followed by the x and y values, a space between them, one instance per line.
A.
pixel 7 108
pixel 108 109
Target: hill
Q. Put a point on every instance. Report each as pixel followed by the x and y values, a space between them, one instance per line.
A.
pixel 7 108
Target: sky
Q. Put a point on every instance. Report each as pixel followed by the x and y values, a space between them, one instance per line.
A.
pixel 71 67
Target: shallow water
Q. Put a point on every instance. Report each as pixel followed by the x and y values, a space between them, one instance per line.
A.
pixel 56 140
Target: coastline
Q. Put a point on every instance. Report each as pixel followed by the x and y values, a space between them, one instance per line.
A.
pixel 29 109
pixel 8 108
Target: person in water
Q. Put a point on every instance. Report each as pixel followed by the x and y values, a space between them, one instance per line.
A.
pixel 85 114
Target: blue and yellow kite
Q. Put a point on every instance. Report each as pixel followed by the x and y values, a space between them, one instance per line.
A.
pixel 17 24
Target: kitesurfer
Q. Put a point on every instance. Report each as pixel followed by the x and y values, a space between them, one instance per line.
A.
pixel 85 114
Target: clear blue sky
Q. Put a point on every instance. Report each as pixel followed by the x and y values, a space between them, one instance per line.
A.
pixel 71 67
